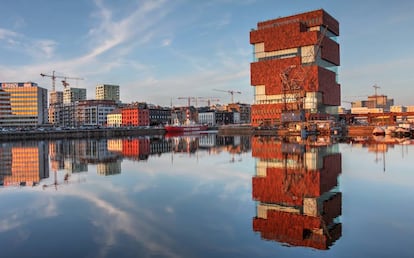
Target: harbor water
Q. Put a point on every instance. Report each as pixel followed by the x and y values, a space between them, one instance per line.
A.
pixel 206 195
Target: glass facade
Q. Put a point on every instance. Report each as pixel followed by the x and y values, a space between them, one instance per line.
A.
pixel 22 104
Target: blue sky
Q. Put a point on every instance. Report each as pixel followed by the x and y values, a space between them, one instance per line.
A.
pixel 160 50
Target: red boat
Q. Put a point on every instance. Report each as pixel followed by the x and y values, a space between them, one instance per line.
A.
pixel 187 126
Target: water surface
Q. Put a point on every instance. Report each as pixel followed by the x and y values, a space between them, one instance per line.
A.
pixel 206 196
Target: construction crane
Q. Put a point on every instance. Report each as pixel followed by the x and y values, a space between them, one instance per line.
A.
pixel 64 82
pixel 208 100
pixel 188 99
pixel 349 102
pixel 230 92
pixel 375 88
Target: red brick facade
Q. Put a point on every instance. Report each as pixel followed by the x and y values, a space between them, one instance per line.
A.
pixel 290 33
pixel 134 116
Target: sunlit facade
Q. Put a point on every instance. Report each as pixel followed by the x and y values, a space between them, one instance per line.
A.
pixel 55 107
pixel 70 95
pixel 23 104
pixel 295 67
pixel 107 92
pixel 136 114
pixel 114 119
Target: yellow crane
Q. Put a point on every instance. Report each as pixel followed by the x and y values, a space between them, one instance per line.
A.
pixel 64 82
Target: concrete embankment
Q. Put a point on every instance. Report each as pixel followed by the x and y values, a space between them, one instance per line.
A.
pixel 79 133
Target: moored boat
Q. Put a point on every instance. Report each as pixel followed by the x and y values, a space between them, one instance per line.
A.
pixel 187 126
pixel 191 127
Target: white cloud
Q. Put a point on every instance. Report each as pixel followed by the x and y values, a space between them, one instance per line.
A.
pixel 43 48
pixel 166 42
pixel 5 34
pixel 46 47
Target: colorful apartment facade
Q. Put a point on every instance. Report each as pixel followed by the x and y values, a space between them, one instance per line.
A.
pixel 136 114
pixel 295 67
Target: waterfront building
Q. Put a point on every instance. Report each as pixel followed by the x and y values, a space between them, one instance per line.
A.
pixel 23 104
pixel 55 107
pixel 5 106
pixel 410 108
pixel 135 114
pixel 159 115
pixel 295 67
pixel 398 108
pixel 207 117
pixel 243 109
pixel 70 95
pixel 107 92
pixel 93 112
pixel 68 116
pixel 374 102
pixel 114 118
pixel 225 117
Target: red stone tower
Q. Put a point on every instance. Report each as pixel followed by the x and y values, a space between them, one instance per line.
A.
pixel 295 67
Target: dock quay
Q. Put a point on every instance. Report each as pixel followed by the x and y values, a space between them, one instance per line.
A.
pixel 78 133
pixel 359 130
pixel 226 130
pixel 235 130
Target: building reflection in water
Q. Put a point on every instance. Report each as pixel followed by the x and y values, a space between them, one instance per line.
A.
pixel 380 145
pixel 296 189
pixel 27 163
pixel 73 156
pixel 23 164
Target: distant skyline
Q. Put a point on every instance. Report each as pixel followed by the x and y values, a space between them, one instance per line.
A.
pixel 159 50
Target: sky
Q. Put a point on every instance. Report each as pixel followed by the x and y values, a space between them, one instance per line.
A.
pixel 165 51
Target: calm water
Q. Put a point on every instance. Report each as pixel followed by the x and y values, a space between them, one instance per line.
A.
pixel 206 196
